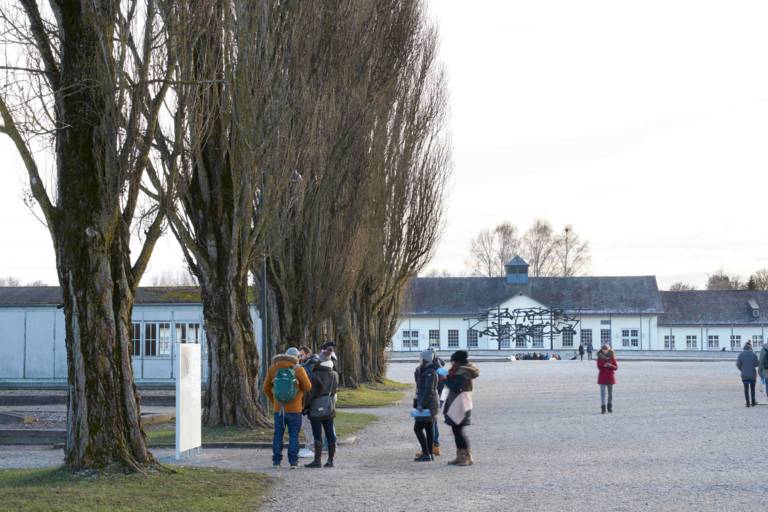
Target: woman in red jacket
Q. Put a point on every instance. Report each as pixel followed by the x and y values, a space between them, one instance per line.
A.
pixel 607 366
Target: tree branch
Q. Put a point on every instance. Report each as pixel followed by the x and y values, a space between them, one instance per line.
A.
pixel 43 43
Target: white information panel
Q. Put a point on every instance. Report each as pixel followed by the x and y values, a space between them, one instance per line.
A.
pixel 188 398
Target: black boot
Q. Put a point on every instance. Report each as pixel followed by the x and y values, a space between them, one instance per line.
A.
pixel 602 409
pixel 610 407
pixel 331 455
pixel 318 453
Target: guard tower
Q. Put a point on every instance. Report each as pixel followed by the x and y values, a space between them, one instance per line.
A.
pixel 517 271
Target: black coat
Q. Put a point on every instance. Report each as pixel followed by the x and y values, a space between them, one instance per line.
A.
pixel 325 381
pixel 426 388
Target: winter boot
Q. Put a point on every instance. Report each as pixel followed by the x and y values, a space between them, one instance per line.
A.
pixel 610 407
pixel 331 455
pixel 602 409
pixel 459 457
pixel 467 461
pixel 318 453
pixel 436 450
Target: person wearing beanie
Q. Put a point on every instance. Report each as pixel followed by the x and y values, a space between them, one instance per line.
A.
pixel 285 385
pixel 322 411
pixel 606 378
pixel 747 362
pixel 427 405
pixel 458 404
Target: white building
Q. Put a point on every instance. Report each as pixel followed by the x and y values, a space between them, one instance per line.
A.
pixel 630 313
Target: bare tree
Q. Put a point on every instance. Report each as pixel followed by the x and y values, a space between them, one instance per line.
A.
pixel 9 281
pixel 492 249
pixel 680 286
pixel 539 247
pixel 91 87
pixel 760 279
pixel 720 280
pixel 174 278
pixel 572 253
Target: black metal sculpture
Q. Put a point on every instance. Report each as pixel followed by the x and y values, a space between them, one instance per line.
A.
pixel 525 325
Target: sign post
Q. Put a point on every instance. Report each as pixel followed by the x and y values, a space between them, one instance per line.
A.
pixel 188 399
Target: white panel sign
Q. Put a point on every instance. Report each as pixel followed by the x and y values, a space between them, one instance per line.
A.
pixel 188 398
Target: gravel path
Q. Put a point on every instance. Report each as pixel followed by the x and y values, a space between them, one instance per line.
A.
pixel 680 439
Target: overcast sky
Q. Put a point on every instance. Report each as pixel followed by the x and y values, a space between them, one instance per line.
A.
pixel 642 123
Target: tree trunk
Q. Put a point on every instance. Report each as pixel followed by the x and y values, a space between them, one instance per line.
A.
pixel 232 393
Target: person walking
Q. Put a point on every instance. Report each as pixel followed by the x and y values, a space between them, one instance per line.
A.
pixel 589 350
pixel 763 368
pixel 458 404
pixel 322 411
pixel 426 405
pixel 747 362
pixel 607 366
pixel 285 386
pixel 581 351
pixel 308 361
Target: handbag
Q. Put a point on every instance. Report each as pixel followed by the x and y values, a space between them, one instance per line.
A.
pixel 321 407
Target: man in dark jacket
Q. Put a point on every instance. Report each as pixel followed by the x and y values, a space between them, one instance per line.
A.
pixel 581 351
pixel 747 362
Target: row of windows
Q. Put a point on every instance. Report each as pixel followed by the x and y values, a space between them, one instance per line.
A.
pixel 155 339
pixel 411 338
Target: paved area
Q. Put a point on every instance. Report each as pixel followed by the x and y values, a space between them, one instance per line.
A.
pixel 680 439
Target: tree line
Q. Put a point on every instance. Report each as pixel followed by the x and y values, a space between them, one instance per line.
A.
pixel 301 141
pixel 722 280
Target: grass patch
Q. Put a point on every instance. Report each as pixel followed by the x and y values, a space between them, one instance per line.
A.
pixel 190 490
pixel 378 394
pixel 347 423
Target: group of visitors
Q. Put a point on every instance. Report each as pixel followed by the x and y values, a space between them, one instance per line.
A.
pixel 431 377
pixel 588 350
pixel 536 356
pixel 752 367
pixel 302 387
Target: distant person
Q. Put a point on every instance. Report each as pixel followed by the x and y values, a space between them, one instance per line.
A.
pixel 763 368
pixel 441 373
pixel 589 350
pixel 285 386
pixel 425 405
pixel 607 366
pixel 322 411
pixel 308 361
pixel 747 362
pixel 581 351
pixel 458 404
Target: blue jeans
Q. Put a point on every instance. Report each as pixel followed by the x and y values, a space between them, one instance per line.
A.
pixel 330 431
pixel 293 421
pixel 435 434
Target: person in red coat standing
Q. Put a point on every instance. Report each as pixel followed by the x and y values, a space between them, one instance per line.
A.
pixel 607 366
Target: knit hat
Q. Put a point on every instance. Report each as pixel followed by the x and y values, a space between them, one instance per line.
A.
pixel 427 356
pixel 460 356
pixel 292 351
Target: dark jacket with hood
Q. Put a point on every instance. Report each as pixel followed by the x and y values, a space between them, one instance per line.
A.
pixel 458 382
pixel 325 381
pixel 426 388
pixel 747 362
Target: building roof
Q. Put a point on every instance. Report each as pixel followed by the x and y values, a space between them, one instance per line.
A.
pixel 51 295
pixel 453 296
pixel 517 261
pixel 713 307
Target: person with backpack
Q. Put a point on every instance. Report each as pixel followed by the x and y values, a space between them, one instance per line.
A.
pixel 426 405
pixel 606 367
pixel 458 404
pixel 747 362
pixel 285 386
pixel 763 368
pixel 308 361
pixel 321 409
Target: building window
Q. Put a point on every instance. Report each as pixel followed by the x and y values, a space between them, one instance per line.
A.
pixel 434 338
pixel 406 336
pixel 605 336
pixel 504 339
pixel 453 338
pixel 188 333
pixel 520 341
pixel 538 336
pixel 713 342
pixel 136 339
pixel 669 342
pixel 605 322
pixel 630 338
pixel 150 340
pixel 157 340
pixel 757 340
pixel 164 340
pixel 586 337
pixel 736 342
pixel 471 338
pixel 568 338
pixel 690 342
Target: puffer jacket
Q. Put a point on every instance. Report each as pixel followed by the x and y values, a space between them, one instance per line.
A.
pixel 458 383
pixel 286 361
pixel 426 388
pixel 325 381
pixel 763 362
pixel 606 366
pixel 747 362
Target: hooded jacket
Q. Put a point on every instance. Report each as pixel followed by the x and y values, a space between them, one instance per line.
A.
pixel 763 361
pixel 458 382
pixel 286 361
pixel 607 366
pixel 747 362
pixel 426 388
pixel 325 381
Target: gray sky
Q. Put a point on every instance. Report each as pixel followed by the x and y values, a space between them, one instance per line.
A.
pixel 643 124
